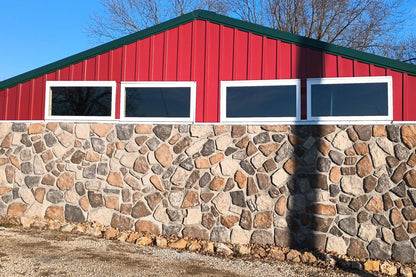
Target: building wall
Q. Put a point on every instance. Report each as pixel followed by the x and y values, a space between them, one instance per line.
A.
pixel 348 189
pixel 207 53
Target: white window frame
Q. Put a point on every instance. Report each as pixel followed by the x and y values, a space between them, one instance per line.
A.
pixel 162 84
pixel 260 83
pixel 351 119
pixel 48 100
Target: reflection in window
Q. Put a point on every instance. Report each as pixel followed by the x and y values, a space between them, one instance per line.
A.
pixel 158 101
pixel 266 100
pixel 360 98
pixel 81 101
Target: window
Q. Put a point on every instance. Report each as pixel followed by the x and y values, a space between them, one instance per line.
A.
pixel 344 99
pixel 158 101
pixel 260 101
pixel 80 100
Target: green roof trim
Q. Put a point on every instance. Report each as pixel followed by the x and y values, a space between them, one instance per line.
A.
pixel 222 20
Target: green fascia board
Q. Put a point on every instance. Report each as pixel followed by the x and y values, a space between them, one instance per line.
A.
pixel 218 19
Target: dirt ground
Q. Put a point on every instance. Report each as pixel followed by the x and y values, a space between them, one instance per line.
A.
pixel 30 252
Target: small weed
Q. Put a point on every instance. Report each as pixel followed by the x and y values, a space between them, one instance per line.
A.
pixel 6 225
pixel 237 254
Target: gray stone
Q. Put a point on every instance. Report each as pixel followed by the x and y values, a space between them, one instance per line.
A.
pixel 403 252
pixel 383 184
pixel 174 215
pixel 283 238
pixel 195 232
pixel 181 145
pixel 336 231
pixel 54 196
pixel 344 210
pixel 348 225
pixel 412 195
pixel 220 234
pixel 321 224
pixel 337 245
pixel 336 157
pixel 400 234
pixel 296 202
pixel 367 231
pixel 246 220
pixel 69 127
pixel 26 154
pixel 379 250
pixel 176 198
pixel 229 151
pixel 262 237
pixel 26 168
pixel 334 190
pixel 169 230
pixel 380 220
pixel 285 152
pixel 162 131
pixel 240 155
pixel 364 132
pixel 121 222
pixel 19 127
pixel 102 169
pixel 6 199
pixel 323 164
pixel 32 181
pixel 90 172
pixel 247 167
pixel 401 152
pixel 309 143
pixel 168 172
pixel 263 181
pixel 140 210
pixel 152 143
pixel 27 142
pixel 98 145
pixel 237 198
pixel 399 190
pixel 251 205
pixel 261 138
pixel 187 164
pixel 180 158
pixel 208 148
pixel 393 132
pixel 95 199
pixel 358 202
pixel 78 157
pixel 124 131
pixel 157 169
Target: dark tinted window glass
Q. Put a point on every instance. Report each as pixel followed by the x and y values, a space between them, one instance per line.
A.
pixel 350 99
pixel 261 101
pixel 158 102
pixel 81 101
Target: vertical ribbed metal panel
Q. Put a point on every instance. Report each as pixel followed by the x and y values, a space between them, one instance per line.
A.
pixel 207 53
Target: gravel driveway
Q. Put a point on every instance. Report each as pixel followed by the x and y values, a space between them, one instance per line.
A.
pixel 29 252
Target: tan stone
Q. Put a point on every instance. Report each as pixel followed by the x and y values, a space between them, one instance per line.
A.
pixel 263 220
pixel 276 128
pixel 373 266
pixel 66 181
pixel 163 155
pixel 174 139
pixel 55 213
pixel 396 217
pixel 361 148
pixel 411 228
pixel 40 194
pixel 141 165
pixel 52 126
pixel 268 149
pixel 251 149
pixel 156 183
pixel 410 178
pixel 202 162
pixel 217 183
pixel 4 190
pixel 335 174
pixel 412 160
pixel 144 241
pixel 324 147
pixel 179 244
pixel 364 166
pixel 379 131
pixel 388 268
pixel 375 204
pixel 191 199
pixel 144 129
pixel 3 161
pixel 9 174
pixel 15 161
pixel 280 207
pixel 277 254
pixel 322 209
pixel 36 128
pixel 120 145
pixel 241 179
pixel 112 202
pixel 101 129
pixel 92 156
pixel 16 209
pixel 292 165
pixel 294 140
pixel 409 135
pixel 216 158
pixel 144 226
pixel 110 233
pixel 48 180
pixel 47 156
pixel 220 129
pixel 83 202
pixel 115 179
pixel 243 142
pixel 7 141
pixel 229 221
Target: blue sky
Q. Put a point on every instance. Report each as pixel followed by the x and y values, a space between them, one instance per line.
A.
pixel 34 33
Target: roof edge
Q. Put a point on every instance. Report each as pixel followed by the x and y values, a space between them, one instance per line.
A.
pixel 222 20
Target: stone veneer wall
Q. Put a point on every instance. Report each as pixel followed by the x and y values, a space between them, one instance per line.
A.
pixel 348 189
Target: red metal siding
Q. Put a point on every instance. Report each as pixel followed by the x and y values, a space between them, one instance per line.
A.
pixel 207 53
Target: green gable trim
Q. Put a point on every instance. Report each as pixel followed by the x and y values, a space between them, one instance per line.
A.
pixel 218 19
